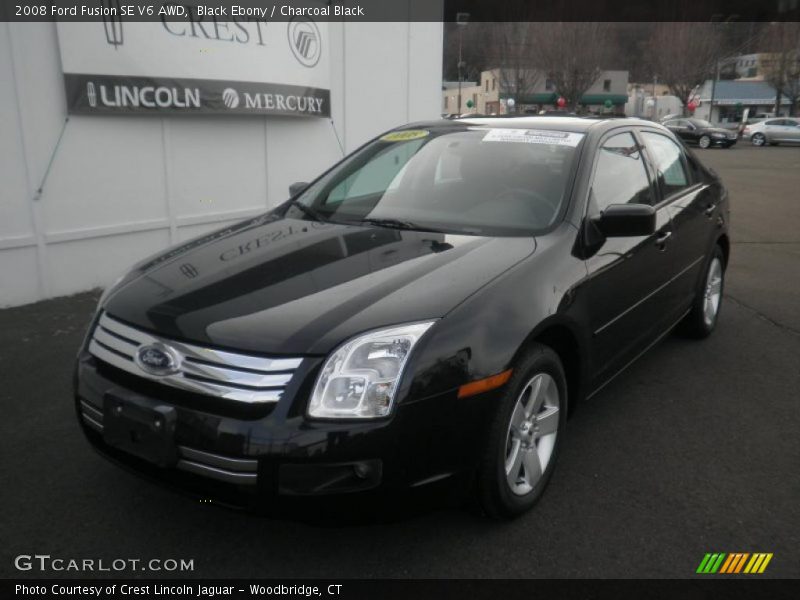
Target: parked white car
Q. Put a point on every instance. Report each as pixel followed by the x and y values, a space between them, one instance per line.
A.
pixel 773 131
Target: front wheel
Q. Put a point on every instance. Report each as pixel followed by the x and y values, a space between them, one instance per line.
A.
pixel 704 141
pixel 758 139
pixel 702 317
pixel 524 436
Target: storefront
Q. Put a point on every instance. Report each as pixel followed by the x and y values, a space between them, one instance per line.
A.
pixel 123 138
pixel 731 99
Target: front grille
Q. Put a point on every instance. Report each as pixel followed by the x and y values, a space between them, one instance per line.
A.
pixel 216 373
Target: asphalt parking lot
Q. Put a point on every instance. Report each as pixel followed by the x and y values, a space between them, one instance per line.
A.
pixel 694 449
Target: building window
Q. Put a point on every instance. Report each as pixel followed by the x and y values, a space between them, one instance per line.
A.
pixel 607 85
pixel 486 85
pixel 446 101
pixel 494 84
pixel 474 100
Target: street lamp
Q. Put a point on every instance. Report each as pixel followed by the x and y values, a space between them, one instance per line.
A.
pixel 462 19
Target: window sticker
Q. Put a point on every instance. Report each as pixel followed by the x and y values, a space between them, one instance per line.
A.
pixel 405 136
pixel 533 136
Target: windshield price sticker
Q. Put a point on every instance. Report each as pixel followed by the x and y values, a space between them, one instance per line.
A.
pixel 533 136
pixel 405 136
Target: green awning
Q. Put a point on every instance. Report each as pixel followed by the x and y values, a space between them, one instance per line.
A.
pixel 543 98
pixel 601 98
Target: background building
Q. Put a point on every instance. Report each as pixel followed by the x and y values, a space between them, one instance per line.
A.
pixel 450 96
pixel 731 98
pixel 119 187
pixel 489 96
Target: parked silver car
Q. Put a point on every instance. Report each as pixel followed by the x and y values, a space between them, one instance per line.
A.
pixel 773 131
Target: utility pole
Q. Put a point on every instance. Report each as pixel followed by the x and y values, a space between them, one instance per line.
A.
pixel 462 19
pixel 655 99
pixel 713 92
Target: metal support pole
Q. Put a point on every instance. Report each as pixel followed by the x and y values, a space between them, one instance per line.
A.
pixel 713 93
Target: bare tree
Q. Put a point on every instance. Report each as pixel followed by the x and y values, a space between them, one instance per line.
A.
pixel 474 36
pixel 573 56
pixel 684 55
pixel 782 68
pixel 515 57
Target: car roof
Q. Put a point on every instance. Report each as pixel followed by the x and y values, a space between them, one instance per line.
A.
pixel 554 123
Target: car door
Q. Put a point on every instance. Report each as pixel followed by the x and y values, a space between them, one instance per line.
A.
pixel 693 133
pixel 679 127
pixel 626 275
pixel 692 203
pixel 772 129
pixel 790 131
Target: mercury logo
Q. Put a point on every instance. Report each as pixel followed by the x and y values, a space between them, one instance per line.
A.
pixel 91 94
pixel 230 97
pixel 305 41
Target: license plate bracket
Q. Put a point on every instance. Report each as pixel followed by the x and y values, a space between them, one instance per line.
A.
pixel 141 427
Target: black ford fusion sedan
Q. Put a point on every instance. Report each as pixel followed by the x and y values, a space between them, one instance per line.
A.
pixel 428 310
pixel 701 132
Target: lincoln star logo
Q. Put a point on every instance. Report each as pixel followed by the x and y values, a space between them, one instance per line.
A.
pixel 305 41
pixel 189 270
pixel 91 94
pixel 113 25
pixel 158 359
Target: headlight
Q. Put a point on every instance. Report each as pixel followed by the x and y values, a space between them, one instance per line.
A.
pixel 360 378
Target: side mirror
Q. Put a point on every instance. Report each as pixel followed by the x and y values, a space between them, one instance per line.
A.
pixel 297 188
pixel 627 220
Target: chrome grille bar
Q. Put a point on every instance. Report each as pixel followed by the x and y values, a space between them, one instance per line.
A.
pixel 217 373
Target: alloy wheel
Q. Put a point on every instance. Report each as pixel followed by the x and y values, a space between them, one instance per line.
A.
pixel 713 291
pixel 758 140
pixel 532 432
pixel 705 141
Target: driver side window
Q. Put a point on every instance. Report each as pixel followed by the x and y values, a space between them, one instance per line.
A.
pixel 620 176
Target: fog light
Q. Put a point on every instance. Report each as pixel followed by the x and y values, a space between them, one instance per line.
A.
pixel 362 470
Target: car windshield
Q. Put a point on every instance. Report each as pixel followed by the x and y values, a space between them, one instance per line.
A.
pixel 700 123
pixel 470 180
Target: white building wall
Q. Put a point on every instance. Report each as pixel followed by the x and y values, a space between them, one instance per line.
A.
pixel 121 188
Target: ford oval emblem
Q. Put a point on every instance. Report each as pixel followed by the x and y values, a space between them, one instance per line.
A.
pixel 158 359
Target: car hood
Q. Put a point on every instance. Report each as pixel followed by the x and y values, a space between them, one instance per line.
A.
pixel 283 286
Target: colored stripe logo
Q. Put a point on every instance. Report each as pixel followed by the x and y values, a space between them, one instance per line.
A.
pixel 734 563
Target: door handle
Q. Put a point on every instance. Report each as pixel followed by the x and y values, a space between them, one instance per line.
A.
pixel 710 209
pixel 661 239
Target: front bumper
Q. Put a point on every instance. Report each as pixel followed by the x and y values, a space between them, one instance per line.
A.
pixel 263 456
pixel 727 142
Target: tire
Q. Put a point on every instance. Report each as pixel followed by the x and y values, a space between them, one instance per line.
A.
pixel 758 139
pixel 703 316
pixel 527 446
pixel 704 142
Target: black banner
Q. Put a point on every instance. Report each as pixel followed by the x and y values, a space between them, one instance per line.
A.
pixel 111 94
pixel 361 11
pixel 347 589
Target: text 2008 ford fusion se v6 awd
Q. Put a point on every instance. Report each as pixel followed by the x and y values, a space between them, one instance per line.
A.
pixel 429 310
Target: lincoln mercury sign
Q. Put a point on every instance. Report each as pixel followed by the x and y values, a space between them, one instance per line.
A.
pixel 196 66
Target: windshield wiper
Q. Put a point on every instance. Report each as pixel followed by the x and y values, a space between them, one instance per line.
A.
pixel 399 224
pixel 308 211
